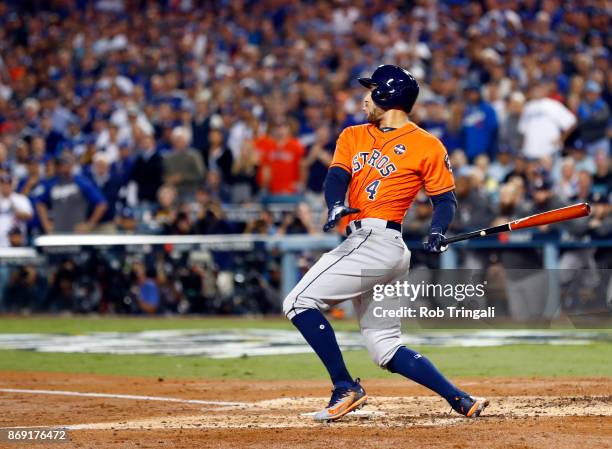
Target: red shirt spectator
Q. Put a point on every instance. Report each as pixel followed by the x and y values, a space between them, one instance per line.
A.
pixel 280 156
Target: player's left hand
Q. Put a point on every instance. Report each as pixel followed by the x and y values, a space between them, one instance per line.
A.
pixel 435 242
pixel 337 211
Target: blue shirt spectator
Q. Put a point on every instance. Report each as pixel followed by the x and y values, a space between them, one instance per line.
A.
pixel 32 185
pixel 70 203
pixel 593 118
pixel 109 185
pixel 479 126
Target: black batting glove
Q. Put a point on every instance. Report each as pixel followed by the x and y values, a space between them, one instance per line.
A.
pixel 337 211
pixel 436 242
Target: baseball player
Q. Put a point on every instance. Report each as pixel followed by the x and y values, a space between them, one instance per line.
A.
pixel 382 165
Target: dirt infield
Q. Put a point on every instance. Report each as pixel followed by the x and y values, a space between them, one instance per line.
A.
pixel 525 413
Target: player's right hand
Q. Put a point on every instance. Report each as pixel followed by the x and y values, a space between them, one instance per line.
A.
pixel 435 242
pixel 337 211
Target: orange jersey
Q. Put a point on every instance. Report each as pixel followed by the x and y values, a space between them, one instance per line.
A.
pixel 389 168
pixel 284 162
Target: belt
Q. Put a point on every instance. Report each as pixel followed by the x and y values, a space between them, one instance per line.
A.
pixel 390 225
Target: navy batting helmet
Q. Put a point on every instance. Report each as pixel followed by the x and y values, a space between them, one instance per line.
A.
pixel 394 87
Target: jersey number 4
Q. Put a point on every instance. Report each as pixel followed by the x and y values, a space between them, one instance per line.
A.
pixel 372 189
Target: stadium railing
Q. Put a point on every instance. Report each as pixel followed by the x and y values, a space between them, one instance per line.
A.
pixel 289 247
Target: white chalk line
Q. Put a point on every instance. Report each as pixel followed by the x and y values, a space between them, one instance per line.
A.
pixel 123 396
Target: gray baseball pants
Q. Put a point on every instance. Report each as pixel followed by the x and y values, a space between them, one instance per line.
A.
pixel 371 255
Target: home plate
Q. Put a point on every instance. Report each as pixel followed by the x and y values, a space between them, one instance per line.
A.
pixel 362 414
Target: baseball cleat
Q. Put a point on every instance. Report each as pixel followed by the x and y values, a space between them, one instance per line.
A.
pixel 469 406
pixel 343 400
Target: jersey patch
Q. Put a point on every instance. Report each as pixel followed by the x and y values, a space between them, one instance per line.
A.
pixel 399 149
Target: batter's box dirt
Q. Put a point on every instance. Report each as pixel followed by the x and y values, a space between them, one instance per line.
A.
pixel 386 412
pixel 533 413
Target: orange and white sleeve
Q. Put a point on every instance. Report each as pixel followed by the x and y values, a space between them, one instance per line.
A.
pixel 436 170
pixel 344 149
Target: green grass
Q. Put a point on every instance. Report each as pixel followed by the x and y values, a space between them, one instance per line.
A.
pixel 79 324
pixel 83 324
pixel 515 360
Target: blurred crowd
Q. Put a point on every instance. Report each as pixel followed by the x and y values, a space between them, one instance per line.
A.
pixel 161 116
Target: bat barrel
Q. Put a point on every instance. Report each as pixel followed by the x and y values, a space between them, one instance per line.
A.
pixel 552 216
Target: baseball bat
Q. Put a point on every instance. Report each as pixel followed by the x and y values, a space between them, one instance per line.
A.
pixel 552 216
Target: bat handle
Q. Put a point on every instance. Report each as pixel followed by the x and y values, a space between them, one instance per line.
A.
pixel 460 237
pixel 480 233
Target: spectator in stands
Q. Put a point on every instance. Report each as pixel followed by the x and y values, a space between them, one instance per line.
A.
pixel 126 221
pixel 4 161
pixel 147 171
pixel 108 141
pixel 299 222
pixel 19 165
pixel 64 205
pixel 220 158
pixel 109 186
pixel 316 163
pixel 280 156
pixel 243 129
pixel 263 225
pixel 459 162
pixel 210 217
pixel 567 183
pixel 181 225
pixel 544 199
pixel 244 174
pixel 200 123
pixel 37 148
pixel 454 137
pixel 32 186
pixel 602 180
pixel 475 211
pixel 311 120
pixel 436 121
pixel 600 220
pixel 510 134
pixel 593 119
pixel 167 200
pixel 183 166
pixel 121 168
pixel 503 164
pixel 483 179
pixel 15 210
pixel 583 160
pixel 519 170
pixel 216 188
pixel 584 184
pixel 479 126
pixel 544 123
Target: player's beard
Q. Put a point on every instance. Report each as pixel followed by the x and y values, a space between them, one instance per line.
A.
pixel 375 115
